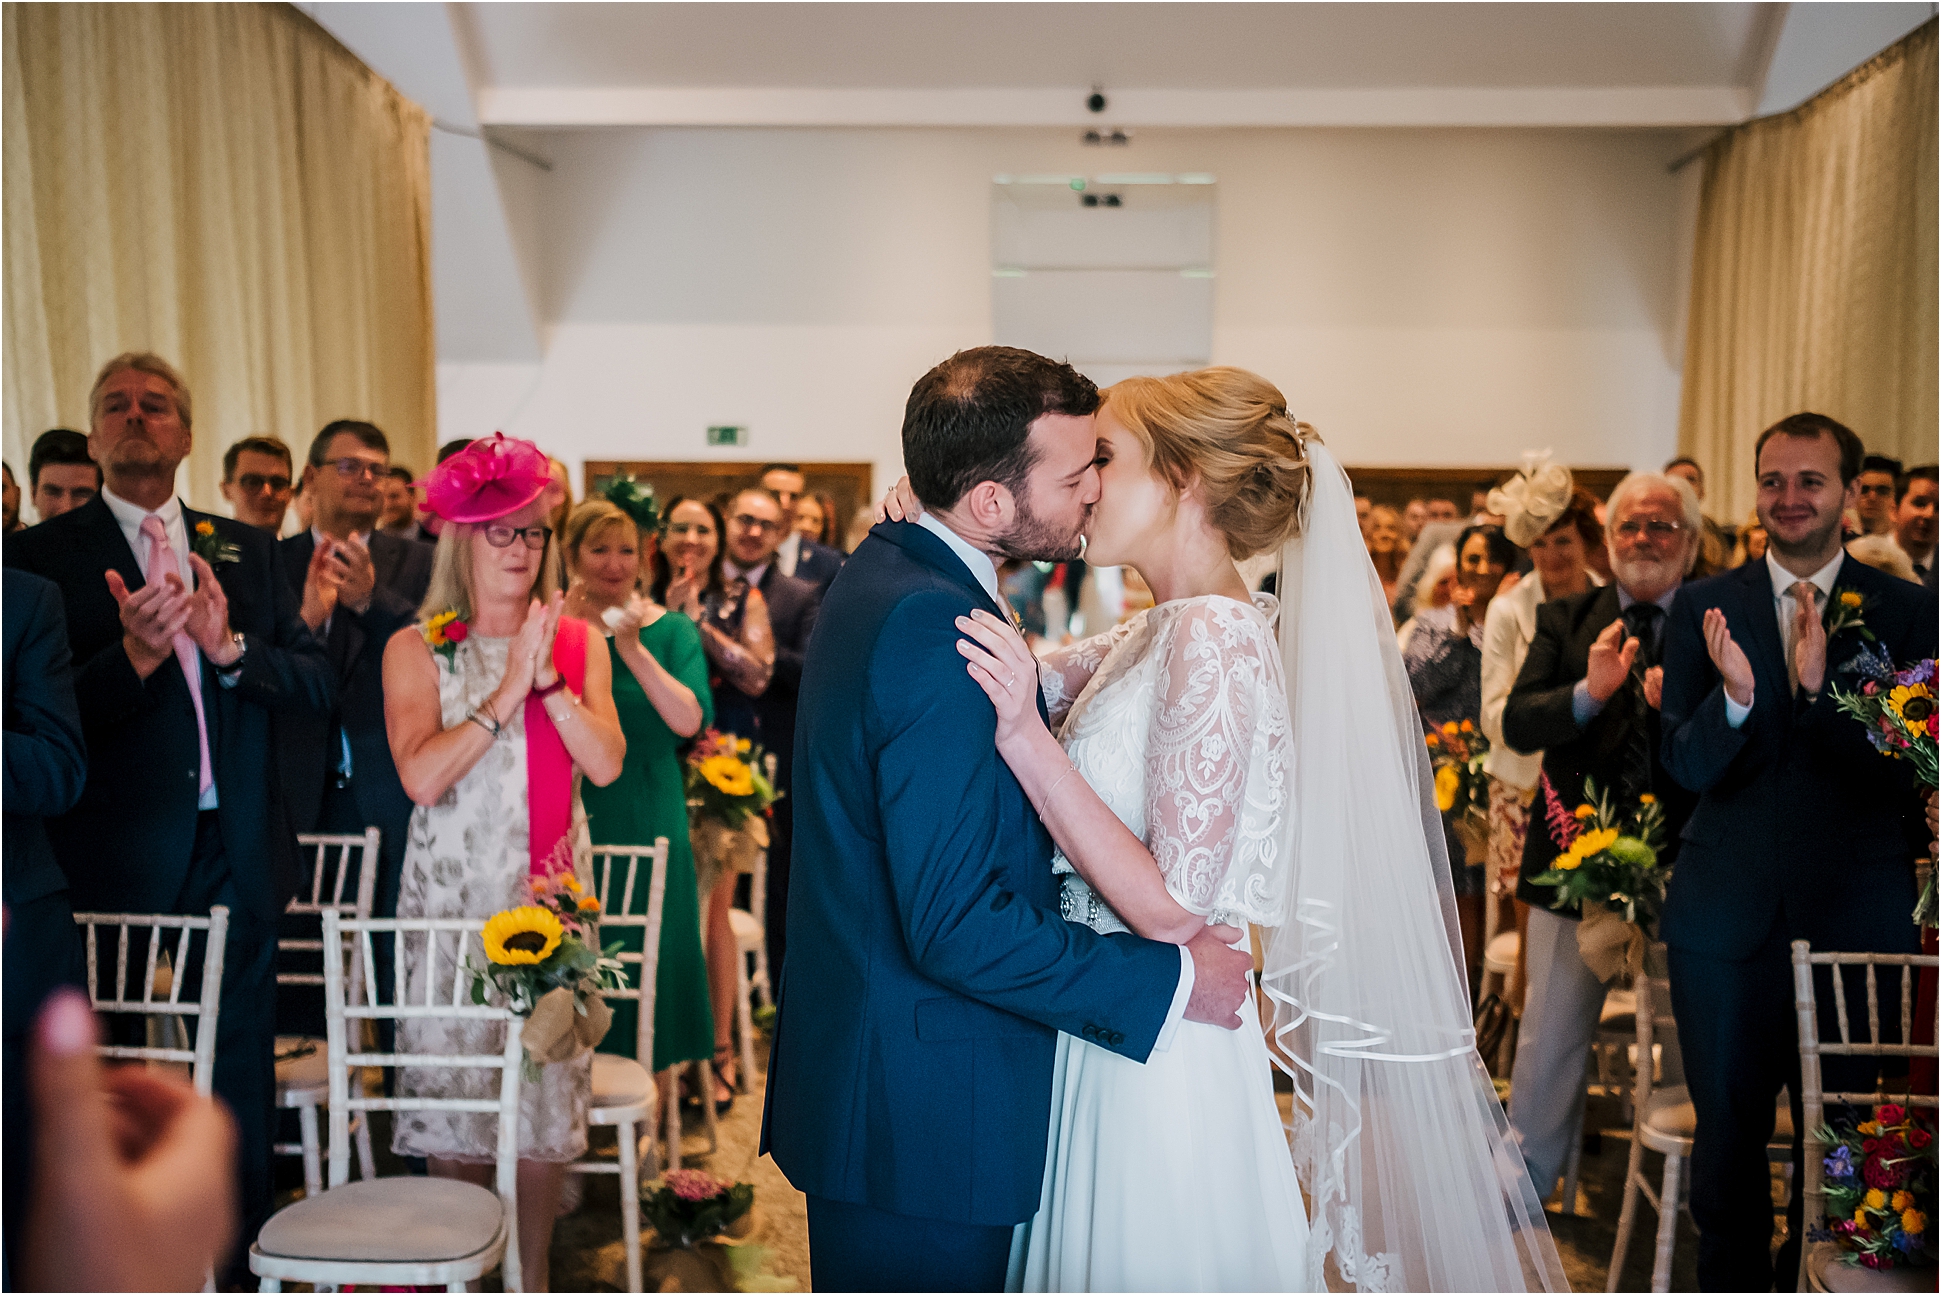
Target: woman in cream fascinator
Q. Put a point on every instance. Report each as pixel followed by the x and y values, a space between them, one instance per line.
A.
pixel 1545 512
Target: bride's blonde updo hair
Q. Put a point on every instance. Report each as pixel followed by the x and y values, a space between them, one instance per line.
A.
pixel 1230 430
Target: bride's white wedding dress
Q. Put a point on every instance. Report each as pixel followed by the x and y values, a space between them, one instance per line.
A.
pixel 1175 1174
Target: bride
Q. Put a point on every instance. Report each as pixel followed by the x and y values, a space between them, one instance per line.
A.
pixel 1267 760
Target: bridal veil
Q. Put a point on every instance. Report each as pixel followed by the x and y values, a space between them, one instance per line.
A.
pixel 1401 1144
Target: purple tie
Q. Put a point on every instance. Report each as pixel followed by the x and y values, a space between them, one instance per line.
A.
pixel 161 561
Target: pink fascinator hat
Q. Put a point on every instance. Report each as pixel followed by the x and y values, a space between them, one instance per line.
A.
pixel 488 479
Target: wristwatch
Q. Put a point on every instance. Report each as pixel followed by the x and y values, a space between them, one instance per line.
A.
pixel 242 647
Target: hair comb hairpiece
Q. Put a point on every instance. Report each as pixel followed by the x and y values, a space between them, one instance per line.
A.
pixel 1531 502
pixel 635 500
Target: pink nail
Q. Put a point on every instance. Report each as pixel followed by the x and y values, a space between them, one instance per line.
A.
pixel 66 1023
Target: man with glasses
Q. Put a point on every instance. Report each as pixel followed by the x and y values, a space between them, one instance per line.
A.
pixel 1587 697
pixel 356 587
pixel 60 475
pixel 1874 494
pixel 757 522
pixel 796 553
pixel 257 481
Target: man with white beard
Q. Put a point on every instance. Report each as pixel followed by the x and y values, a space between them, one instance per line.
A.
pixel 1588 698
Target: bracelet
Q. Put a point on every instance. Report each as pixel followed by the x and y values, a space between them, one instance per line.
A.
pixel 1070 769
pixel 484 721
pixel 572 704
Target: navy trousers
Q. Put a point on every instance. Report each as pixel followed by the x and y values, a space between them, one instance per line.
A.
pixel 856 1248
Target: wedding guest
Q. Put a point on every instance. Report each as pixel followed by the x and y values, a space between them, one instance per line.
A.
pixel 1386 549
pixel 1802 831
pixel 60 475
pixel 740 646
pixel 1415 515
pixel 256 480
pixel 1364 507
pixel 356 587
pixel 1882 554
pixel 810 520
pixel 400 515
pixel 1434 534
pixel 1716 540
pixel 1914 520
pixel 9 500
pixel 755 527
pixel 46 767
pixel 492 733
pixel 563 485
pixel 1585 697
pixel 1435 588
pixel 660 692
pixel 1752 542
pixel 1443 510
pixel 803 557
pixel 1548 515
pixel 1445 667
pixel 1874 504
pixel 186 642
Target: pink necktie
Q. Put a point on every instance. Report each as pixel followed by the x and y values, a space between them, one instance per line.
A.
pixel 1805 594
pixel 161 561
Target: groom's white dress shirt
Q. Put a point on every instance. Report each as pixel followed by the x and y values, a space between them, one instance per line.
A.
pixel 981 566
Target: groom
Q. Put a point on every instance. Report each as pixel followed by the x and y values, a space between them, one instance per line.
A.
pixel 928 967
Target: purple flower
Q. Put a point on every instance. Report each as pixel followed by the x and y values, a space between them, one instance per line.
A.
pixel 1920 672
pixel 1840 1163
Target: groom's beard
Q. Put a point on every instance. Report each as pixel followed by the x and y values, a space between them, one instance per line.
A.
pixel 1035 540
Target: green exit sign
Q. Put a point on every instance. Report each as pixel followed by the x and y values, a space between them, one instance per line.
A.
pixel 737 436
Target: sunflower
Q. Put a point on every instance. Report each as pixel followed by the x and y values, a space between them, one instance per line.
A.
pixel 1596 842
pixel 1448 782
pixel 728 775
pixel 522 936
pixel 1912 704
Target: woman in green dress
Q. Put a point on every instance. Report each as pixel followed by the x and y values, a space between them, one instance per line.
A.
pixel 660 688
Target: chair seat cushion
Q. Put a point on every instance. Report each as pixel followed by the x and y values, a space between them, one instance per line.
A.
pixel 1669 1113
pixel 387 1220
pixel 302 1065
pixel 748 928
pixel 1829 1271
pixel 1500 956
pixel 619 1081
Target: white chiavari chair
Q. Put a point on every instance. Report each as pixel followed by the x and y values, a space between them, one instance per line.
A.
pixel 624 1096
pixel 140 937
pixel 404 1231
pixel 1820 1267
pixel 302 1074
pixel 750 926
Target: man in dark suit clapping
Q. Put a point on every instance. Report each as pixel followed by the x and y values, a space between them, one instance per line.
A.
pixel 186 639
pixel 356 587
pixel 756 522
pixel 1802 831
pixel 1587 697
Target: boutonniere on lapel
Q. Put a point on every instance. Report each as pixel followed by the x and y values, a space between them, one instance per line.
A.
pixel 1847 610
pixel 443 633
pixel 211 547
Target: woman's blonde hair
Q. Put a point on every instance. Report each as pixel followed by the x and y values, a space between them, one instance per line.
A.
pixel 1229 431
pixel 590 520
pixel 451 572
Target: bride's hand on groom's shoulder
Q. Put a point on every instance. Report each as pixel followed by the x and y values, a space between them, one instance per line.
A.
pixel 900 504
pixel 1002 664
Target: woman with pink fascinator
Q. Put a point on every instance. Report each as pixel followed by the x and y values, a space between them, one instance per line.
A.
pixel 496 706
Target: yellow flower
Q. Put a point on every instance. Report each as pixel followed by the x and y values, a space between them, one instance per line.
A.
pixel 1647 799
pixel 1913 1222
pixel 588 904
pixel 744 746
pixel 1860 1217
pixel 1448 782
pixel 1568 861
pixel 571 882
pixel 728 775
pixel 1430 738
pixel 1450 728
pixel 205 528
pixel 1911 704
pixel 435 628
pixel 522 936
pixel 1876 1199
pixel 1597 842
pixel 1583 812
pixel 1850 599
pixel 1468 727
pixel 1871 1128
pixel 1902 1201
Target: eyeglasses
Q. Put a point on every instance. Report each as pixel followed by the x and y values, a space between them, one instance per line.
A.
pixel 351 469
pixel 748 523
pixel 1657 530
pixel 255 483
pixel 501 537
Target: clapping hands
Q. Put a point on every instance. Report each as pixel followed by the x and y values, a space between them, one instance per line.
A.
pixel 1729 659
pixel 1611 658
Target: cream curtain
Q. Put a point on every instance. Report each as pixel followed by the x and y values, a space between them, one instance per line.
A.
pixel 227 186
pixel 1814 274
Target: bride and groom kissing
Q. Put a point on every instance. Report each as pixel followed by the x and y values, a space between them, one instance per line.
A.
pixel 1019 1041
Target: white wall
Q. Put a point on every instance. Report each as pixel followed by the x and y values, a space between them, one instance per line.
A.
pixel 1422 296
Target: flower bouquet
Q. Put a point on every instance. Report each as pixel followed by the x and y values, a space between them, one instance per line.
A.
pixel 1897 710
pixel 696 1220
pixel 545 959
pixel 1457 751
pixel 728 799
pixel 1880 1187
pixel 1609 869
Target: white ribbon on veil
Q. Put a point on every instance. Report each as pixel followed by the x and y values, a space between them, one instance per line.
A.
pixel 1400 1141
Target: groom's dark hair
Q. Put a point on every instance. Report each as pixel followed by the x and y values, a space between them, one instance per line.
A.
pixel 969 419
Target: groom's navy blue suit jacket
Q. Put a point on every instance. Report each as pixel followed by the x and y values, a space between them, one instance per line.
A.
pixel 928 968
pixel 1799 820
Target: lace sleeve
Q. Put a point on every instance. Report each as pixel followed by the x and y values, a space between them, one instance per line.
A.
pixel 1216 780
pixel 1063 672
